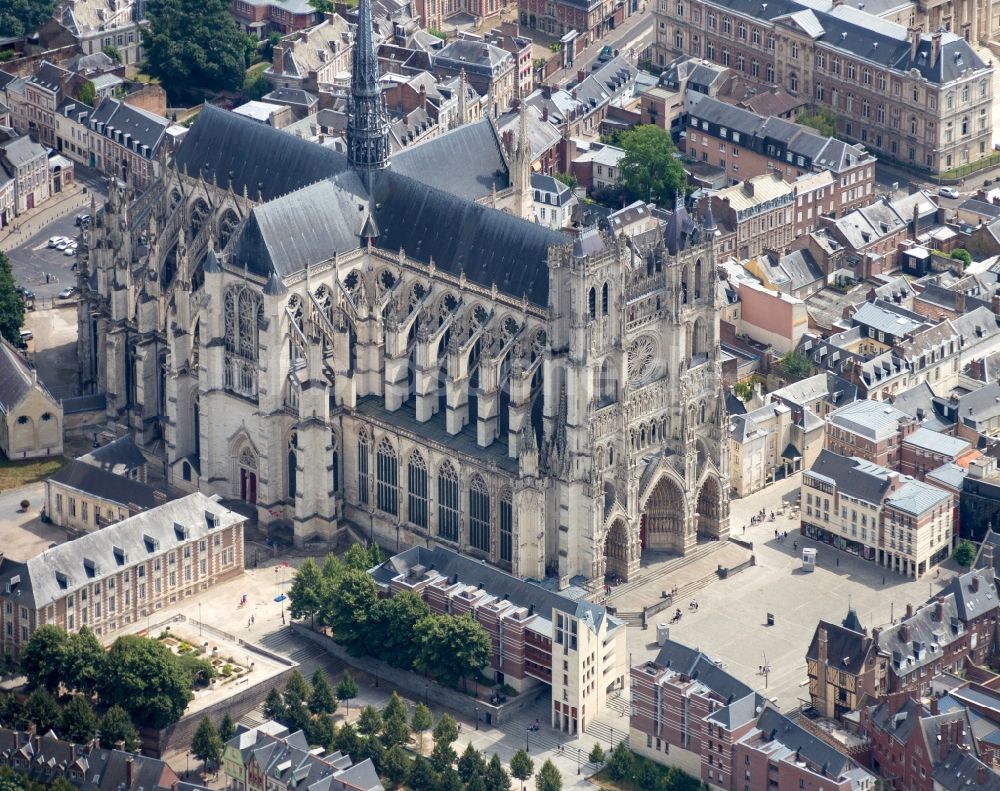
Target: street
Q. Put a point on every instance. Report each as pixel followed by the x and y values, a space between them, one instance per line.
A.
pixel 635 34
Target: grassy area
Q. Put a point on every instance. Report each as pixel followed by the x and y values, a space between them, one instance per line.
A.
pixel 20 473
pixel 257 69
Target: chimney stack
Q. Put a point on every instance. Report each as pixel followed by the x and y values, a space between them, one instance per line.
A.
pixel 904 633
pixel 939 610
pixel 914 41
pixel 822 648
pixel 980 775
pixel 278 60
pixel 909 611
pixel 935 48
pixel 129 771
pixel 975 583
pixel 935 708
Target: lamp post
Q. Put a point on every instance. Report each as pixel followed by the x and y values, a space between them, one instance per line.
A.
pixel 187 759
pixel 199 619
pixel 477 717
pixel 527 733
pixel 427 701
pixel 611 738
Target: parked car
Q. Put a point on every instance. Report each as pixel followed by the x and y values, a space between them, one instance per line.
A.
pixel 949 192
pixel 64 244
pixel 67 292
pixel 55 240
pixel 70 251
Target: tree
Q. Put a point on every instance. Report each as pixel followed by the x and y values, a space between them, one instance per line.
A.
pixel 395 729
pixel 116 728
pixel 451 648
pixel 192 44
pixel 21 17
pixel 43 658
pixel 476 783
pixel 964 553
pixel 422 775
pixel 421 721
pixel 274 706
pixel 449 780
pixel 620 763
pixel 496 776
pixel 42 710
pixel 78 723
pixel 348 609
pixel 320 731
pixel 446 731
pixel 113 52
pixel 86 94
pixel 395 766
pixel 85 661
pixel 375 750
pixel 370 721
pixel 597 755
pixel 396 619
pixel 296 688
pixel 795 365
pixel 743 391
pixel 227 728
pixel 442 756
pixel 347 689
pixel 568 179
pixel 347 741
pixel 297 716
pixel 306 592
pixel 548 778
pixel 961 254
pixel 321 701
pixel 206 744
pixel 145 679
pixel 650 171
pixel 361 558
pixel 470 764
pixel 521 766
pixel 821 119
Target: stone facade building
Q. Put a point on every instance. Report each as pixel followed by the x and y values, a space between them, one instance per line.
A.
pixel 31 419
pixel 918 98
pixel 114 577
pixel 381 344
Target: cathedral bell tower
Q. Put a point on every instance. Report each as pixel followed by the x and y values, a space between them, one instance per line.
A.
pixel 367 122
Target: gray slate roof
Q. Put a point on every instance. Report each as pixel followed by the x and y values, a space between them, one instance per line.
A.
pixel 121 453
pixel 145 128
pixel 874 420
pixel 105 485
pixel 853 477
pixel 927 439
pixel 961 770
pixel 16 378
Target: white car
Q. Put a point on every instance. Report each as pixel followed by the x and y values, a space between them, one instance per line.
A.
pixel 64 244
pixel 55 240
pixel 949 192
pixel 71 250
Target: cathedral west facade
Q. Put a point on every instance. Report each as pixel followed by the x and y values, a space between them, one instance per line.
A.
pixel 348 342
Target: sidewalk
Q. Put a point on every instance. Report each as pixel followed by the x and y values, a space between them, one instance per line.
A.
pixel 26 225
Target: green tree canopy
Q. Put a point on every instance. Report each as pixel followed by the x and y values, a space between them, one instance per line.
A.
pixel 113 52
pixel 393 635
pixel 597 755
pixel 306 592
pixel 443 756
pixel 422 775
pixel 620 763
pixel 449 780
pixel 548 778
pixel 296 688
pixel 347 688
pixel 320 732
pixel 446 731
pixel 795 365
pixel 374 749
pixel 568 179
pixel 348 741
pixel 349 608
pixel 322 700
pixel 395 729
pixel 521 766
pixel 274 706
pixel 78 723
pixel 452 648
pixel 395 766
pixel 369 721
pixel 85 660
pixel 42 710
pixel 649 170
pixel 471 764
pixel 145 679
pixel 22 17
pixel 206 745
pixel 194 44
pixel 86 94
pixel 965 553
pixel 821 119
pixel 116 728
pixel 11 304
pixel 43 658
pixel 963 255
pixel 421 721
pixel 496 776
pixel 227 728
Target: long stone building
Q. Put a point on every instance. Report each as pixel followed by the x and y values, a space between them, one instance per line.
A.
pixel 923 99
pixel 343 340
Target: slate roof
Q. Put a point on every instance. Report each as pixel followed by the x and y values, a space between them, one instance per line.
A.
pixel 949 474
pixel 105 485
pixel 59 571
pixel 120 453
pixel 799 741
pixel 543 183
pixel 20 151
pixel 902 722
pixel 917 497
pixel 854 477
pixel 936 442
pixel 49 76
pixel 971 603
pixel 824 386
pixel 961 770
pixel 874 420
pixel 469 571
pixel 802 268
pixel 846 648
pixel 146 129
pixel 16 377
pixel 473 56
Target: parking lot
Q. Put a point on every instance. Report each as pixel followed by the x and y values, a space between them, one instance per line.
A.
pixel 35 260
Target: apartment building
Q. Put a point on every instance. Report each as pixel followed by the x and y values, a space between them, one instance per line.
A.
pixel 844 667
pixel 758 212
pixel 902 525
pixel 761 450
pixel 689 713
pixel 99 24
pixel 925 450
pixel 43 91
pixel 128 139
pixel 921 99
pixel 25 164
pixel 82 498
pixel 113 578
pixel 489 69
pixel 747 145
pixel 259 18
pixel 314 59
pixel 539 636
pixel 591 19
pixel 869 430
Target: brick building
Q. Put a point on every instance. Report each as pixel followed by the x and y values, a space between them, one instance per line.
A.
pixel 690 713
pixel 925 100
pixel 112 578
pixel 924 450
pixel 759 211
pixel 590 18
pixel 869 430
pixel 259 18
pixel 539 636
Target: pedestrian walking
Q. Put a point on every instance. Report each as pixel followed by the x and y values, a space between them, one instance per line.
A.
pixel 253 619
pixel 248 623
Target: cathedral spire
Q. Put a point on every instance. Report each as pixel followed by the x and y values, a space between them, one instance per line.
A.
pixel 367 122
